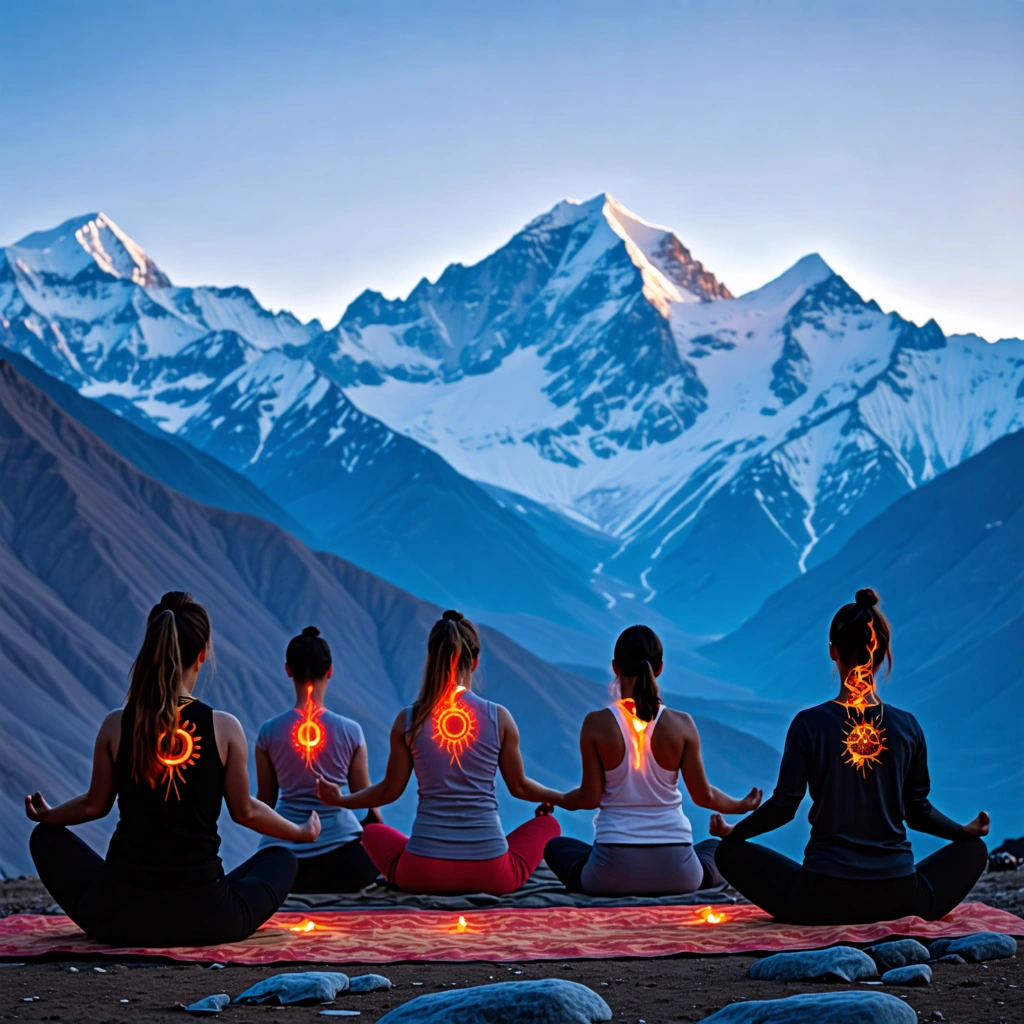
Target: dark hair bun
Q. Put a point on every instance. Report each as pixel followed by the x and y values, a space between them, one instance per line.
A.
pixel 452 616
pixel 866 598
pixel 311 631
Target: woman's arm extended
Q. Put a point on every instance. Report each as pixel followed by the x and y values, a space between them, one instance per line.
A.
pixel 780 808
pixel 97 801
pixel 243 807
pixel 266 778
pixel 918 812
pixel 510 761
pixel 388 790
pixel 702 793
pixel 359 779
pixel 587 795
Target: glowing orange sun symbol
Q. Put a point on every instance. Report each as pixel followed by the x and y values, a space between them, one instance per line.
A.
pixel 863 741
pixel 184 751
pixel 309 735
pixel 454 723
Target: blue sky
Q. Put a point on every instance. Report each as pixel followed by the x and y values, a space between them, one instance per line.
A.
pixel 309 150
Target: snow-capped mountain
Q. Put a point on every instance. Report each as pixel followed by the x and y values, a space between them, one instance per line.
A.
pixel 210 365
pixel 727 444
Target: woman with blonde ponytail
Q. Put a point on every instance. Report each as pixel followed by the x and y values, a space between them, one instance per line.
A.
pixel 633 754
pixel 170 761
pixel 456 743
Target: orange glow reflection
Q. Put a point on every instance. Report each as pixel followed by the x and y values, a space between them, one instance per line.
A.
pixel 863 741
pixel 309 735
pixel 462 926
pixel 711 916
pixel 305 925
pixel 454 722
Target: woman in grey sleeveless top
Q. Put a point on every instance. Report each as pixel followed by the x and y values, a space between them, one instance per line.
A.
pixel 455 742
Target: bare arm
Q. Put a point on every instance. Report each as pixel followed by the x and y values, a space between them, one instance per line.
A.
pixel 587 795
pixel 510 762
pixel 702 793
pixel 388 790
pixel 359 778
pixel 266 778
pixel 99 798
pixel 243 807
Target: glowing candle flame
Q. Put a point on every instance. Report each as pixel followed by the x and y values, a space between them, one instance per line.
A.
pixel 309 735
pixel 462 925
pixel 711 916
pixel 305 925
pixel 863 741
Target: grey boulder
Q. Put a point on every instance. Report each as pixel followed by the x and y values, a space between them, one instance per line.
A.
pixel 368 983
pixel 819 1008
pixel 842 963
pixel 289 989
pixel 888 955
pixel 976 947
pixel 912 974
pixel 550 1001
pixel 951 958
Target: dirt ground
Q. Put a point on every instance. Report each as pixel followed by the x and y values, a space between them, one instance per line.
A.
pixel 663 991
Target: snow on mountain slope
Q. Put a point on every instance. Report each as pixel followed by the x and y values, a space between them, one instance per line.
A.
pixel 728 444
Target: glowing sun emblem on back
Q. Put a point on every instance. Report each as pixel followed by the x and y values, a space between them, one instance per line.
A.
pixel 863 741
pixel 184 751
pixel 454 722
pixel 309 735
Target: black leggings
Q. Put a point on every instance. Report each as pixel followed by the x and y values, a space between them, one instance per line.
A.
pixel 229 909
pixel 347 868
pixel 791 893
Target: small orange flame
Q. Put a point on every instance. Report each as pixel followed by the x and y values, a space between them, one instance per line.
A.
pixel 710 916
pixel 305 925
pixel 309 735
pixel 454 722
pixel 863 741
pixel 462 925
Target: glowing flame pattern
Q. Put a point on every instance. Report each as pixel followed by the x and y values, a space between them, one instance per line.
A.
pixel 711 916
pixel 309 734
pixel 462 926
pixel 455 726
pixel 639 728
pixel 863 741
pixel 305 925
pixel 184 751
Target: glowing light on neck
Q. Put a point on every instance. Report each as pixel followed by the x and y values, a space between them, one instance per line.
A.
pixel 639 728
pixel 455 725
pixel 863 741
pixel 309 734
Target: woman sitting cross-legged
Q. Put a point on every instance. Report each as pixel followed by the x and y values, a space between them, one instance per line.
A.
pixel 297 746
pixel 633 753
pixel 170 761
pixel 866 765
pixel 455 742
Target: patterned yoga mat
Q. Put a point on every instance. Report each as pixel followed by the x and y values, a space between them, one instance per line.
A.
pixel 387 936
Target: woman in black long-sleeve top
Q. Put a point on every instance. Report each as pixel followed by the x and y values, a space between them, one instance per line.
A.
pixel 866 765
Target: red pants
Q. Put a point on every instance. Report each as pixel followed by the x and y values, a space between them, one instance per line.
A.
pixel 439 877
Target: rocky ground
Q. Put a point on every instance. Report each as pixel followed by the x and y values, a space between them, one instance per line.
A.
pixel 664 991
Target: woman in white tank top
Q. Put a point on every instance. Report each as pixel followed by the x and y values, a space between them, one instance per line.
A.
pixel 633 752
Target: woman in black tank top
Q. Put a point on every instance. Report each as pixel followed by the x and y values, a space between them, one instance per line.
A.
pixel 170 761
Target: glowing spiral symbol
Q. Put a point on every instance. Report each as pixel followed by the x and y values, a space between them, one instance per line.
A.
pixel 309 734
pixel 187 746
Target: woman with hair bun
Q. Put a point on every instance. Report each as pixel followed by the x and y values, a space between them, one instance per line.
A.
pixel 866 765
pixel 170 761
pixel 455 742
pixel 633 754
pixel 293 750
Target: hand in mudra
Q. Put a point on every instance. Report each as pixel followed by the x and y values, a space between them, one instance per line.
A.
pixel 751 801
pixel 980 825
pixel 36 807
pixel 720 827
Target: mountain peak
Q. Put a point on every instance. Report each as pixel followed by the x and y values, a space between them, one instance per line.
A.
pixel 807 272
pixel 92 239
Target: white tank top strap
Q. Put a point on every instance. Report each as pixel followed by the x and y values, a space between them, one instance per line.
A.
pixel 641 802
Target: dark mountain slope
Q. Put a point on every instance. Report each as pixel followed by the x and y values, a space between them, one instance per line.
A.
pixel 87 543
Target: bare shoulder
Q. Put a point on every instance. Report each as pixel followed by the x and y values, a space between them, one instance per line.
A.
pixel 110 728
pixel 227 725
pixel 679 721
pixel 598 723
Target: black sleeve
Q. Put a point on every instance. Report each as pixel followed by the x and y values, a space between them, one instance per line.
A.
pixel 780 808
pixel 918 812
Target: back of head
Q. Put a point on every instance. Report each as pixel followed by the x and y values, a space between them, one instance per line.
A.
pixel 308 656
pixel 452 647
pixel 177 632
pixel 860 632
pixel 639 654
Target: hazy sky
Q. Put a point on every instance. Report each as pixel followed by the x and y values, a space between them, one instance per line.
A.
pixel 309 150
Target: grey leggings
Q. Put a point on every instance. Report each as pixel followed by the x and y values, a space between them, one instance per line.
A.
pixel 622 869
